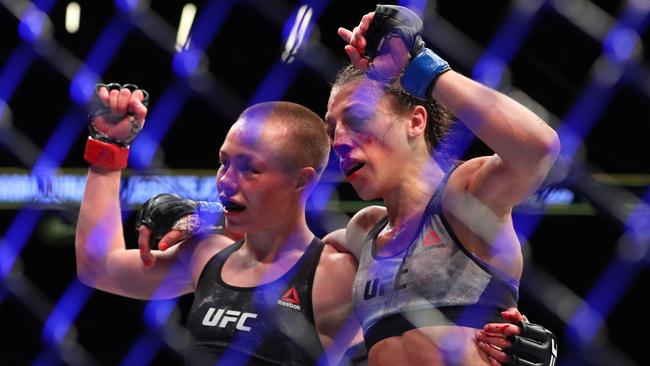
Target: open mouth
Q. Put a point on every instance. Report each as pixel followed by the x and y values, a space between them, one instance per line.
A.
pixel 233 207
pixel 353 169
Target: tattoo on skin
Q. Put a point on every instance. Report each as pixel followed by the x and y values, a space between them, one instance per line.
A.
pixel 134 128
pixel 188 225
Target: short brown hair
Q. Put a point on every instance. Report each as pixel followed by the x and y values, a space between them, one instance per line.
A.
pixel 307 143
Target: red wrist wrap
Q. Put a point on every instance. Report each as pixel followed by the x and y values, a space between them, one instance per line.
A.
pixel 106 155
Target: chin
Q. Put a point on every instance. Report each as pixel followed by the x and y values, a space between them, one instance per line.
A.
pixel 366 193
pixel 233 226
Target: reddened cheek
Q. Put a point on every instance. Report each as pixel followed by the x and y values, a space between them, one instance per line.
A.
pixel 368 140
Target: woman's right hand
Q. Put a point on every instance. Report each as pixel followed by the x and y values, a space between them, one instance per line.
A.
pixel 123 114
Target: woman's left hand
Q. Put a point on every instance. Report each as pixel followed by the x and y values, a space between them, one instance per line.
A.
pixel 388 62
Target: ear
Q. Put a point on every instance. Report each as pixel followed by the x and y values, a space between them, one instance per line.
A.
pixel 305 177
pixel 418 122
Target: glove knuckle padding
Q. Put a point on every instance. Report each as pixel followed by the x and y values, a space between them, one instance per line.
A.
pixel 97 109
pixel 393 20
pixel 534 346
pixel 161 212
pixel 424 65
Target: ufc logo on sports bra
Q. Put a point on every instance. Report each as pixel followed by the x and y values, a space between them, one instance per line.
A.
pixel 224 317
pixel 376 286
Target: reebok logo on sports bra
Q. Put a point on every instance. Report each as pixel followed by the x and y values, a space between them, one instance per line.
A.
pixel 211 318
pixel 290 299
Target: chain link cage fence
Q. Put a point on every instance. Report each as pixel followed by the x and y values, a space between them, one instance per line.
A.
pixel 581 65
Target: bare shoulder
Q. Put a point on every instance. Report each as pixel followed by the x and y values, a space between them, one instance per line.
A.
pixel 332 290
pixel 359 226
pixel 332 301
pixel 334 276
pixel 332 260
pixel 203 248
pixel 367 217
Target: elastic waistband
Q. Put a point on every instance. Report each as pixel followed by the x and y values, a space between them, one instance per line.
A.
pixel 463 316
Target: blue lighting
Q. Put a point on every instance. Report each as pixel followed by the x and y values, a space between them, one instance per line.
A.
pixel 60 142
pixel 15 238
pixel 209 21
pixel 186 62
pixel 418 6
pixel 31 24
pixel 157 312
pixel 67 188
pixel 82 86
pixel 616 279
pixel 159 120
pixel 14 70
pixel 505 44
pixel 143 350
pixel 620 43
pixel 127 6
pixel 276 83
pixel 66 310
pixel 489 70
pixel 583 115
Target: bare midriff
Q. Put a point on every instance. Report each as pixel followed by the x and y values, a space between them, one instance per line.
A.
pixel 435 345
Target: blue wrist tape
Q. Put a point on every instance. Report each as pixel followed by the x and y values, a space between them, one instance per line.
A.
pixel 422 72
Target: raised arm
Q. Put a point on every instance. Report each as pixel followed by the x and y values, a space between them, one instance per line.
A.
pixel 525 146
pixel 103 261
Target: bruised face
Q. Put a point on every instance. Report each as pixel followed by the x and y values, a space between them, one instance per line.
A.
pixel 368 136
pixel 255 184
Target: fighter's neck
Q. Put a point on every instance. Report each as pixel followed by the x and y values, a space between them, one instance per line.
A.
pixel 410 198
pixel 273 243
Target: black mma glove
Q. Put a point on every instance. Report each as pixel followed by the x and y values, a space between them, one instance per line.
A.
pixel 97 108
pixel 110 132
pixel 394 21
pixel 161 213
pixel 424 67
pixel 535 346
pixel 167 211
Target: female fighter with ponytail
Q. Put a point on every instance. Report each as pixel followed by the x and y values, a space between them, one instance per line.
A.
pixel 441 259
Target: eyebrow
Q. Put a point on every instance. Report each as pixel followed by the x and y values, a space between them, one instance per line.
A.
pixel 358 105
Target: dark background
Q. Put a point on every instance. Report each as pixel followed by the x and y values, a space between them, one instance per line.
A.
pixel 577 251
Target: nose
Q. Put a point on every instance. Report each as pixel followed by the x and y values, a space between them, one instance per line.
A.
pixel 227 181
pixel 341 143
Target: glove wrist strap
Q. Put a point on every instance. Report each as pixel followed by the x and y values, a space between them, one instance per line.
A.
pixel 106 155
pixel 422 72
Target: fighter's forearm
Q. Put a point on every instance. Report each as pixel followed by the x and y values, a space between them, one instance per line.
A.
pixel 99 227
pixel 516 134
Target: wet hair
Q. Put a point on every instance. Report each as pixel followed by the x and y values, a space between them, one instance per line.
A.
pixel 439 118
pixel 307 143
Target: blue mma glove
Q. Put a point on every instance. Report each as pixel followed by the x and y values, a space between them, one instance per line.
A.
pixel 535 346
pixel 424 66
